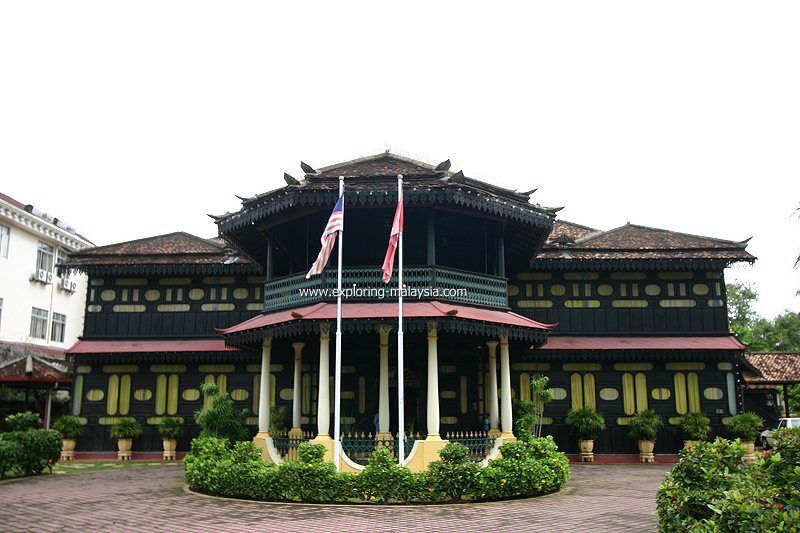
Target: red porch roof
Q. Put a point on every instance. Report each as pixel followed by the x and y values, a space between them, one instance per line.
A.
pixel 434 309
pixel 149 346
pixel 727 342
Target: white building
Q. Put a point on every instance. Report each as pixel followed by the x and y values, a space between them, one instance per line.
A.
pixel 38 305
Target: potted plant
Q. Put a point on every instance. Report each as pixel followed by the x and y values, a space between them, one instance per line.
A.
pixel 71 429
pixel 170 429
pixel 125 429
pixel 586 423
pixel 644 427
pixel 744 427
pixel 695 427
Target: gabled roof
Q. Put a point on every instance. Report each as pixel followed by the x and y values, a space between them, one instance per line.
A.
pixel 773 368
pixel 386 165
pixel 568 232
pixel 172 251
pixel 21 362
pixel 638 243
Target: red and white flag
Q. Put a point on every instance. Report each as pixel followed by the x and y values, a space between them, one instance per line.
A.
pixel 397 229
pixel 328 239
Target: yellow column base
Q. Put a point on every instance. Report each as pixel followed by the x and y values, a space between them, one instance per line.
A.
pixel 260 443
pixel 296 433
pixel 508 436
pixel 493 433
pixel 326 441
pixel 427 452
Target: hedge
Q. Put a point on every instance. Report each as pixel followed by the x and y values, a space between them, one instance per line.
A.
pixel 29 452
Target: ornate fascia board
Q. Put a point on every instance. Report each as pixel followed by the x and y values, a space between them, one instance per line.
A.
pixel 43 228
pixel 633 355
pixel 621 265
pixel 168 270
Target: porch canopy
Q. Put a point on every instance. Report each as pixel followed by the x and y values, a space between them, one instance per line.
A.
pixel 768 369
pixel 607 347
pixel 361 316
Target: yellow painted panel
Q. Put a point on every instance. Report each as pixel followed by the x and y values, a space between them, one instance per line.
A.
pixel 174 281
pixel 581 304
pixel 132 308
pixel 581 275
pixel 112 369
pixel 546 420
pixel 576 390
pixel 674 420
pixel 348 394
pixel 94 308
pixel 95 395
pixel 559 393
pixel 589 391
pixel 700 289
pixel 677 303
pixel 641 392
pixel 447 369
pixel 240 395
pixel 77 390
pixel 449 420
pixel 107 420
pixel 305 394
pixel 486 393
pixel 255 307
pixel 217 307
pixel 525 387
pixel 633 367
pixel 530 366
pixel 108 295
pixel 534 275
pixel 288 394
pixel 628 394
pixel 629 304
pixel 96 282
pixel 609 394
pixel 222 383
pixel 685 366
pixel 628 275
pixel 83 369
pixel 693 388
pixel 675 275
pixel 213 369
pixel 680 393
pixel 661 393
pixel 256 396
pixel 605 290
pixel 464 395
pixel 161 394
pixel 130 282
pixel 513 290
pixel 167 368
pixel 651 289
pixel 558 290
pixel 112 398
pixel 713 275
pixel 241 293
pixel 534 304
pixel 712 393
pixel 221 280
pixel 173 389
pixel 152 295
pixel 173 308
pixel 623 421
pixel 273 389
pixel 191 395
pixel 251 421
pixel 196 294
pixel 716 303
pixel 125 394
pixel 582 367
pixel 447 394
pixel 156 420
pixel 725 366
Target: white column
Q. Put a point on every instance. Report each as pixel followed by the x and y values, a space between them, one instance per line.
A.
pixel 494 407
pixel 433 381
pixel 296 398
pixel 506 421
pixel 383 398
pixel 263 386
pixel 324 381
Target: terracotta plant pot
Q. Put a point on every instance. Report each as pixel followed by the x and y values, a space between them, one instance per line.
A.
pixel 68 449
pixel 124 449
pixel 170 445
pixel 646 451
pixel 586 448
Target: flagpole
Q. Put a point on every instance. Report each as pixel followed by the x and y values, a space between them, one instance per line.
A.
pixel 338 369
pixel 401 441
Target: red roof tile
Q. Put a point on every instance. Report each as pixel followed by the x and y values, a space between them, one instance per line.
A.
pixel 727 342
pixel 774 367
pixel 149 346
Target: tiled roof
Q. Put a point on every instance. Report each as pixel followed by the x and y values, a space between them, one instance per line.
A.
pixel 568 232
pixel 169 249
pixel 85 347
pixel 563 342
pixel 21 362
pixel 635 242
pixel 773 367
pixel 385 165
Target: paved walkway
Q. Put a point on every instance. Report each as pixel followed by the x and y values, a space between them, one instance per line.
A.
pixel 598 498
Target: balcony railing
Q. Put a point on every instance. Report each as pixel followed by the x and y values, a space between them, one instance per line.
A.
pixel 366 284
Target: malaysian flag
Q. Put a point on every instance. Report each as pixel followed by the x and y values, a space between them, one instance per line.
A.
pixel 328 238
pixel 397 229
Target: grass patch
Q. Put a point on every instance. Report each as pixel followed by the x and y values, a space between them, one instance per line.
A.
pixel 72 467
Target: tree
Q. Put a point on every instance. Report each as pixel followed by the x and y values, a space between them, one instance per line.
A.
pixel 222 419
pixel 741 315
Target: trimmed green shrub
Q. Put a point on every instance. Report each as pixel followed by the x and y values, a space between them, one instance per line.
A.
pixel 23 421
pixel 222 419
pixel 126 427
pixel 31 451
pixel 454 476
pixel 695 426
pixel 585 422
pixel 745 426
pixel 644 425
pixel 310 479
pixel 69 426
pixel 170 428
pixel 526 468
pixel 10 452
pixel 383 480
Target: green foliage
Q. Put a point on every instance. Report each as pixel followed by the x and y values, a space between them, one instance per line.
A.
pixel 585 422
pixel 310 479
pixel 454 476
pixel 29 452
pixel 741 315
pixel 383 480
pixel 23 421
pixel 695 426
pixel 644 425
pixel 222 419
pixel 126 427
pixel 170 428
pixel 781 334
pixel 745 426
pixel 277 418
pixel 69 426
pixel 531 413
pixel 526 468
pixel 710 489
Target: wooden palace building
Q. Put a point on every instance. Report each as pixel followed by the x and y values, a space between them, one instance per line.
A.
pixel 498 291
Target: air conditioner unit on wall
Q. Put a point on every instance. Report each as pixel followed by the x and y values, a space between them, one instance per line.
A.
pixel 41 275
pixel 49 278
pixel 69 285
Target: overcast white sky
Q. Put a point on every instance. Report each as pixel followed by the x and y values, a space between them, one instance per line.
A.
pixel 133 119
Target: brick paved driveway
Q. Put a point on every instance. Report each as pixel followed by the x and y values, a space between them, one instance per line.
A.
pixel 152 499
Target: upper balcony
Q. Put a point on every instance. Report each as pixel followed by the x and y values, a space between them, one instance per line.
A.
pixel 366 284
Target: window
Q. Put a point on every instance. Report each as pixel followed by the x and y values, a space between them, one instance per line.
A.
pixel 38 323
pixel 61 256
pixel 44 257
pixel 58 327
pixel 4 235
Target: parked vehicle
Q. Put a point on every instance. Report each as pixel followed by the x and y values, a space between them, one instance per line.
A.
pixel 767 440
